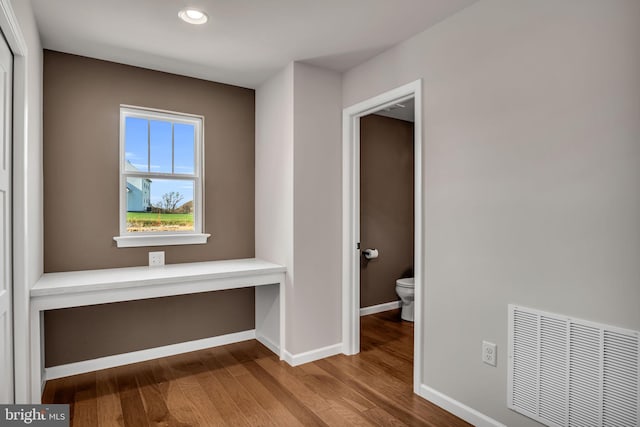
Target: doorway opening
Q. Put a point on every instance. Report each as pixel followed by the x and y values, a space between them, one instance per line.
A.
pixel 387 236
pixel 352 250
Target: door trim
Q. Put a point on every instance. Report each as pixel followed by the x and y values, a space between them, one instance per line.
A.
pixel 351 219
pixel 12 31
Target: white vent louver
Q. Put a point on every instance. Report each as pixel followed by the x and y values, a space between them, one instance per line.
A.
pixel 566 372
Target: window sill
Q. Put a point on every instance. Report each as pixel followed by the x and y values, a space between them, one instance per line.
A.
pixel 161 240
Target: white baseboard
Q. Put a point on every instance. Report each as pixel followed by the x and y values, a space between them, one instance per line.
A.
pixel 380 308
pixel 458 409
pixel 310 356
pixel 267 342
pixel 143 355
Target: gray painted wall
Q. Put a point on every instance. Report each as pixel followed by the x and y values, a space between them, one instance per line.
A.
pixel 314 315
pixel 274 180
pixel 299 198
pixel 531 130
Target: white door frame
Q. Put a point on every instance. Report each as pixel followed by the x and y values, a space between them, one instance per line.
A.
pixel 351 219
pixel 6 278
pixel 17 43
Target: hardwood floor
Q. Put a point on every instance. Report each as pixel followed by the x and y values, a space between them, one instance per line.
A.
pixel 245 384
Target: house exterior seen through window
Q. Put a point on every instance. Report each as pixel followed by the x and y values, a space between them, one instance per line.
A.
pixel 161 165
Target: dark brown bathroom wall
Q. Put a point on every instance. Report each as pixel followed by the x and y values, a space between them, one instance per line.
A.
pixel 386 206
pixel 81 103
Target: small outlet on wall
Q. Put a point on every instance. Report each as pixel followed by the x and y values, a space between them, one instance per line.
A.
pixel 489 353
pixel 156 259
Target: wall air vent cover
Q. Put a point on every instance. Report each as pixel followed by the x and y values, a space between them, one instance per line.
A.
pixel 566 372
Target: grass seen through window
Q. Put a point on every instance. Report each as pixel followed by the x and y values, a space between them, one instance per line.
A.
pixel 157 221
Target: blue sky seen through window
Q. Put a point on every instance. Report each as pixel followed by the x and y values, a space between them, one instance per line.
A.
pixel 160 146
pixel 137 144
pixel 184 141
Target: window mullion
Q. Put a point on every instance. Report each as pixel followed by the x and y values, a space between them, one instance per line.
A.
pixel 148 145
pixel 173 149
pixel 156 175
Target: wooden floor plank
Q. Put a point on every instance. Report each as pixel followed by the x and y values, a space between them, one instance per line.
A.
pixel 382 418
pixel 218 395
pixel 133 411
pixel 380 396
pixel 280 392
pixel 108 405
pixel 249 408
pixel 283 374
pixel 177 401
pixel 225 358
pixel 329 412
pixel 184 369
pixel 333 389
pixel 49 391
pixel 244 384
pixel 154 397
pixel 86 408
pixel 290 401
pixel 64 392
pixel 390 364
pixel 342 414
pixel 268 401
pixel 387 394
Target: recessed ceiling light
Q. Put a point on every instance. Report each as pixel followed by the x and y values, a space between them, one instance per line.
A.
pixel 193 16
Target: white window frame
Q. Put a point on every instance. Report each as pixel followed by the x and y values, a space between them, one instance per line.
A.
pixel 163 238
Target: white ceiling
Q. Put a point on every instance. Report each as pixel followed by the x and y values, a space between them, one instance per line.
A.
pixel 244 42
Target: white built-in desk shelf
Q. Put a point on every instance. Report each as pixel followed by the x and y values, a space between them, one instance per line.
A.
pixel 90 287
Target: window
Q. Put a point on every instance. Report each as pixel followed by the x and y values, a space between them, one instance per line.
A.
pixel 161 168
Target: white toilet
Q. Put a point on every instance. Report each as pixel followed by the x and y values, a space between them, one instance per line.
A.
pixel 404 289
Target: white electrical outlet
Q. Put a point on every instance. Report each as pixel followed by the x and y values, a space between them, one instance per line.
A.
pixel 489 353
pixel 156 259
